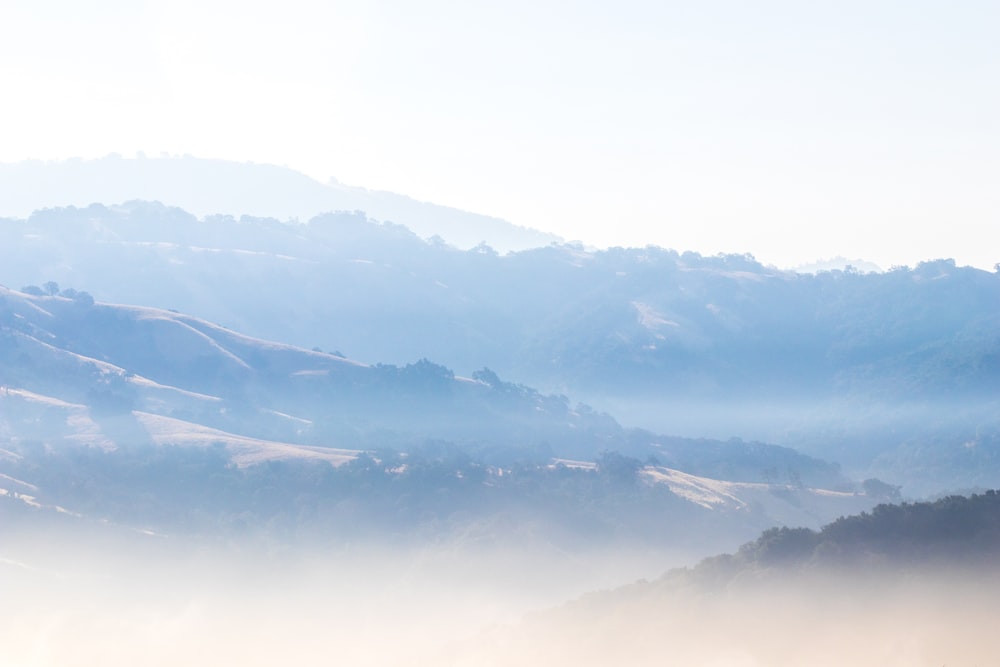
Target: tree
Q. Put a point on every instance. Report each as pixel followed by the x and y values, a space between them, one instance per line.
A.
pixel 487 377
pixel 618 467
pixel 876 488
pixel 83 298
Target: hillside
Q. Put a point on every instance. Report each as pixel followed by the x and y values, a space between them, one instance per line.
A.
pixel 952 532
pixel 625 322
pixel 163 420
pixel 904 585
pixel 892 374
pixel 182 426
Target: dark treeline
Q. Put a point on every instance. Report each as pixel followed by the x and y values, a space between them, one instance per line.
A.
pixel 952 531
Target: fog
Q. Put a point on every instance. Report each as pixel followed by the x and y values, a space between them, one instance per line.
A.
pixel 150 601
pixel 177 491
pixel 929 446
pixel 821 620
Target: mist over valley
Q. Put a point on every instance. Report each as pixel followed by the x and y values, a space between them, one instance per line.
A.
pixel 227 438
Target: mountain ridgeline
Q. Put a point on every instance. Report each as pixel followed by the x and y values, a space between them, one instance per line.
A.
pixel 318 431
pixel 210 187
pixel 860 368
pixel 621 320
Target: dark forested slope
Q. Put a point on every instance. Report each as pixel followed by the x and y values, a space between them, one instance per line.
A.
pixel 903 585
pixel 952 531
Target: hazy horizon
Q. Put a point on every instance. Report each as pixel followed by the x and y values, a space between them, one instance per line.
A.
pixel 798 263
pixel 792 133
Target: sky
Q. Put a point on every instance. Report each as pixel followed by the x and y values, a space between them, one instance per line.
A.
pixel 793 131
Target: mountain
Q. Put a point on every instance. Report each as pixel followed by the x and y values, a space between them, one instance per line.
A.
pixel 910 584
pixel 209 187
pixel 156 459
pixel 626 322
pixel 139 443
pixel 162 420
pixel 893 374
pixel 119 358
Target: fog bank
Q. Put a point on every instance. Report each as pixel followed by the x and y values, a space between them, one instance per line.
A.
pixel 155 601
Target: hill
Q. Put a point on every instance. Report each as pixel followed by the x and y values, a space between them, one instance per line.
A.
pixel 951 532
pixel 893 374
pixel 910 584
pixel 102 404
pixel 210 187
pixel 628 322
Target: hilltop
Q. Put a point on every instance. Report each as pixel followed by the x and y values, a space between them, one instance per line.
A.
pixel 214 187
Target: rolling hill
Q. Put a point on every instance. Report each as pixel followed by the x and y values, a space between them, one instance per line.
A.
pixel 102 403
pixel 893 374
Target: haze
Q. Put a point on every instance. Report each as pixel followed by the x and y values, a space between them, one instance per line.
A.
pixel 429 412
pixel 793 132
pixel 164 605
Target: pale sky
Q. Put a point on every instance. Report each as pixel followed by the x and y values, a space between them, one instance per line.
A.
pixel 792 130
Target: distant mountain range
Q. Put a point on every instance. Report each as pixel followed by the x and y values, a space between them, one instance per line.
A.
pixel 210 187
pixel 621 321
pixel 256 379
pixel 864 369
pixel 893 375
